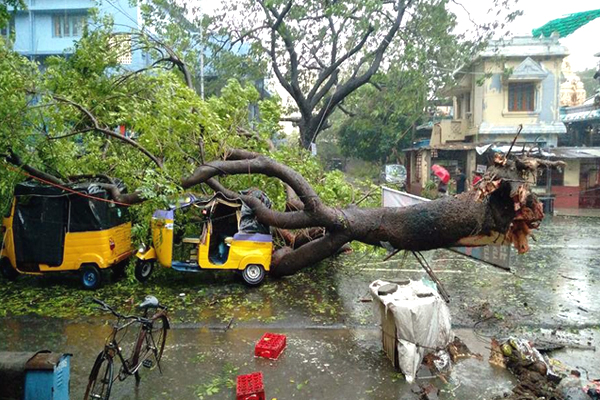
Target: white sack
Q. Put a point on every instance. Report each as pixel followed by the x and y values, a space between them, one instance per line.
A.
pixel 419 320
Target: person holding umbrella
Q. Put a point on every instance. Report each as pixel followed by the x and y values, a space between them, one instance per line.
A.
pixel 444 176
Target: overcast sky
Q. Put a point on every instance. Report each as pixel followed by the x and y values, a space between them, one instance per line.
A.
pixel 582 44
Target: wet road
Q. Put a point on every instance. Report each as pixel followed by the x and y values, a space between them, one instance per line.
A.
pixel 334 346
pixel 331 363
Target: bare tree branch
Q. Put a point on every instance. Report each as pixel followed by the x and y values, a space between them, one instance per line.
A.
pixel 290 119
pixel 107 132
pixel 326 73
pixel 354 83
pixel 345 111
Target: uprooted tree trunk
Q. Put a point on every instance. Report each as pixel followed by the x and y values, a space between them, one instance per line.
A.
pixel 501 211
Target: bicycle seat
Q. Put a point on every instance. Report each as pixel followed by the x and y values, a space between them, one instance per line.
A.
pixel 149 302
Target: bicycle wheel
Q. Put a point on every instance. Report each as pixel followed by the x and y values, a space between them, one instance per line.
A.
pixel 101 379
pixel 157 337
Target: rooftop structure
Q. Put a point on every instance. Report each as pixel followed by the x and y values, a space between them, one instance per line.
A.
pixel 521 46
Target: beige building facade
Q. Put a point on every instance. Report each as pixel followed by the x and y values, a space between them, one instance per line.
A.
pixel 513 82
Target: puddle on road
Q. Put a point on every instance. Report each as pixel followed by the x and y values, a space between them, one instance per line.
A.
pixel 317 363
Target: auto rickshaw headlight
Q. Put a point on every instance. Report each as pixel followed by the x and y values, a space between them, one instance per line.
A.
pixel 142 248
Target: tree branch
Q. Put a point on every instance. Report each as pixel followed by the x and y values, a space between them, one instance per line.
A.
pixel 312 95
pixel 15 160
pixel 354 83
pixel 286 261
pixel 107 132
pixel 265 215
pixel 173 58
pixel 244 162
pixel 277 28
pixel 290 119
pixel 345 111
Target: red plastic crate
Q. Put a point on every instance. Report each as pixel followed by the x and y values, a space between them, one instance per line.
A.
pixel 270 346
pixel 250 387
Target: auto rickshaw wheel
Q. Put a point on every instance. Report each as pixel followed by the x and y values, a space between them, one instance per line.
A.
pixel 143 270
pixel 7 270
pixel 253 274
pixel 91 277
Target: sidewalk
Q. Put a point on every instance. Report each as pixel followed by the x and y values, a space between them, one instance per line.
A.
pixel 577 212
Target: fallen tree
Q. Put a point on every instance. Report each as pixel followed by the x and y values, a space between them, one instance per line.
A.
pixel 66 118
pixel 502 210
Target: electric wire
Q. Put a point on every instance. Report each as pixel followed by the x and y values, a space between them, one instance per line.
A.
pixel 65 188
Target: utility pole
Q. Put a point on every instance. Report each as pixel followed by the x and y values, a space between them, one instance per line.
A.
pixel 201 55
pixel 201 65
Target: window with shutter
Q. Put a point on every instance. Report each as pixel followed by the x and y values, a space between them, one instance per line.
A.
pixel 521 96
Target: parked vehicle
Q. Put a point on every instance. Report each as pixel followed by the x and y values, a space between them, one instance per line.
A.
pixel 394 174
pixel 52 229
pixel 146 351
pixel 204 234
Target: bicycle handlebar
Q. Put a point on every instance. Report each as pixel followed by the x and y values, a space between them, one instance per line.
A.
pixel 106 307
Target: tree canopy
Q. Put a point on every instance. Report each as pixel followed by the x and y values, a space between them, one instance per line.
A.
pixel 183 28
pixel 64 120
pixel 323 51
pixel 380 116
pixel 7 7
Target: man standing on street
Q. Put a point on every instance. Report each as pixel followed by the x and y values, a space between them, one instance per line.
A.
pixel 461 180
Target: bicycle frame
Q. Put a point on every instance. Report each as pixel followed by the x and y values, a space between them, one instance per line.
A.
pixel 112 348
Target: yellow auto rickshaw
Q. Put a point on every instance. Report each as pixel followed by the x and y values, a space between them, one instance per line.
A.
pixel 207 234
pixel 64 229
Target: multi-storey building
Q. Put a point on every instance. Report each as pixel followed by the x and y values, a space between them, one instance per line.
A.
pixel 513 82
pixel 51 27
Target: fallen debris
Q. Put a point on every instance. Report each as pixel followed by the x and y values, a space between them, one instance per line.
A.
pixel 426 392
pixel 459 350
pixel 593 389
pixel 535 373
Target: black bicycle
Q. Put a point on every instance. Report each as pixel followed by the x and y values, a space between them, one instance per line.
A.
pixel 147 350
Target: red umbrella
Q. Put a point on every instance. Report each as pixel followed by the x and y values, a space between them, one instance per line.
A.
pixel 441 173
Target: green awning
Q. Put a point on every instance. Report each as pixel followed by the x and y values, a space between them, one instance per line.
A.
pixel 566 25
